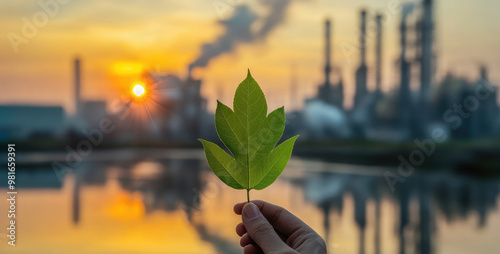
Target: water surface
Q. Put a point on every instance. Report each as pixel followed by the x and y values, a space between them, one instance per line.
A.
pixel 157 201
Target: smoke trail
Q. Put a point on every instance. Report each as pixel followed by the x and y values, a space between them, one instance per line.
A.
pixel 238 29
pixel 275 17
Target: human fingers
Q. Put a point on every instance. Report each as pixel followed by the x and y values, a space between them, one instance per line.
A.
pixel 282 220
pixel 246 240
pixel 261 231
pixel 252 249
pixel 240 229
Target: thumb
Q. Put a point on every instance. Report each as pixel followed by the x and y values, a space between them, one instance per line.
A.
pixel 261 232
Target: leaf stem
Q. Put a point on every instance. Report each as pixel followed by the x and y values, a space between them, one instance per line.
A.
pixel 248 195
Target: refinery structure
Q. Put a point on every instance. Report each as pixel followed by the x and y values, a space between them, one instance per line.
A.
pixel 453 106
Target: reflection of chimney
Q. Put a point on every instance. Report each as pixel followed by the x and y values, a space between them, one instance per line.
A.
pixel 328 67
pixel 378 20
pixel 76 198
pixel 77 85
pixel 360 218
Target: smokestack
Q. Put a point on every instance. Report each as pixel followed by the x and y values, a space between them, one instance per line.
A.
pixel 328 67
pixel 363 37
pixel 404 90
pixel 361 73
pixel 77 85
pixel 378 70
pixel 484 73
pixel 426 63
pixel 293 85
pixel 190 69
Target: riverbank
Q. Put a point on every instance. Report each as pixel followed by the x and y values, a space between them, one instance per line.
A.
pixel 478 158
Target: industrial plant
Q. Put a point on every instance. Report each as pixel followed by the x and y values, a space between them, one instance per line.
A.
pixel 177 112
pixel 397 153
pixel 455 107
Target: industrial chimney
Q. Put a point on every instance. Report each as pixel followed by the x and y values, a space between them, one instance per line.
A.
pixel 378 78
pixel 483 73
pixel 329 93
pixel 361 73
pixel 77 86
pixel 426 66
pixel 328 67
pixel 363 37
pixel 404 89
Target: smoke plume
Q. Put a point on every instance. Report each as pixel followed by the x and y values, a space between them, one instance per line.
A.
pixel 238 29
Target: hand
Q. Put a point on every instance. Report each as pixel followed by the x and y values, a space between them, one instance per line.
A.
pixel 267 228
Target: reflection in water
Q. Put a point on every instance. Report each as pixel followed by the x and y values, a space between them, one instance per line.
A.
pixel 161 189
pixel 76 197
pixel 221 244
pixel 167 186
pixel 453 196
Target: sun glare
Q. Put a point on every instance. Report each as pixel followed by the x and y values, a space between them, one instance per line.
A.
pixel 138 90
pixel 128 68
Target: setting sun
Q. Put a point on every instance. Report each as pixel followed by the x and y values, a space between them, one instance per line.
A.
pixel 138 90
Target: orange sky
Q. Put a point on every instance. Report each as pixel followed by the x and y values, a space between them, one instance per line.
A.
pixel 167 35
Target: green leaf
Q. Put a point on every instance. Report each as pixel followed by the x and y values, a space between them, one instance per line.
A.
pixel 223 165
pixel 251 136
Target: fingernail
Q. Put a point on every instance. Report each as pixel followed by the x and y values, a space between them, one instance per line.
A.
pixel 251 212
